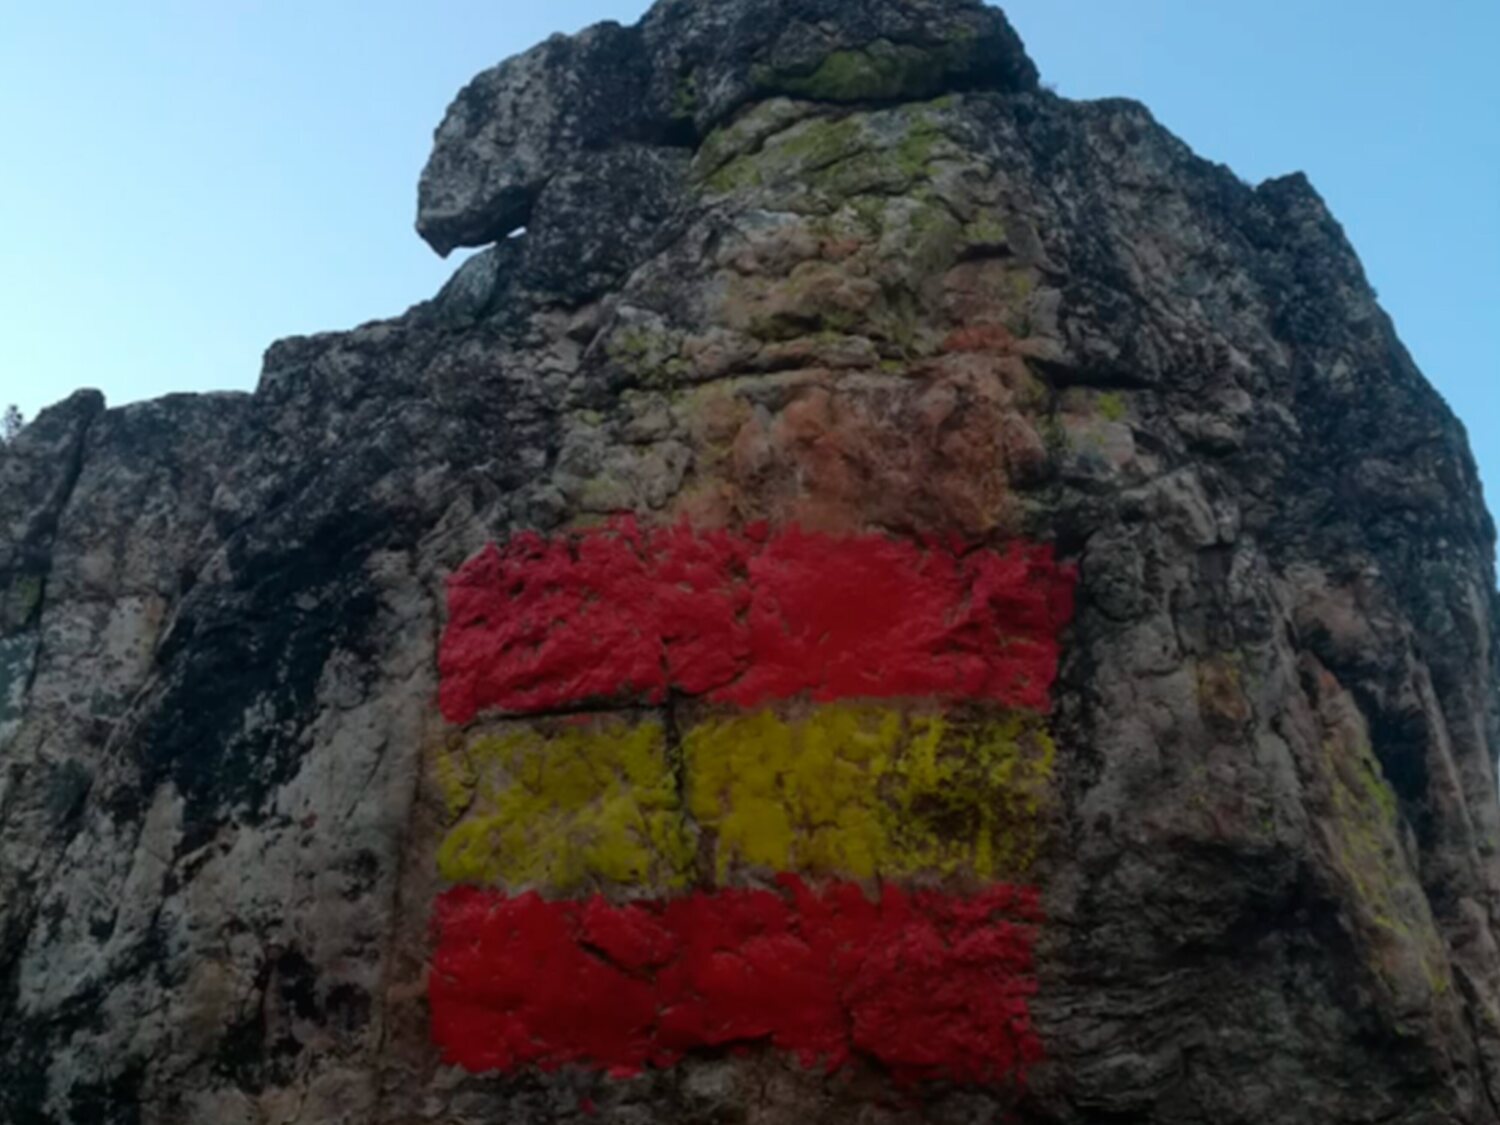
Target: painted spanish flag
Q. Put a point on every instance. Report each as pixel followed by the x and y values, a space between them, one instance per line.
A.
pixel 725 788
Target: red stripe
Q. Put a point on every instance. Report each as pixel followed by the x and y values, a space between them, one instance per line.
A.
pixel 930 985
pixel 628 613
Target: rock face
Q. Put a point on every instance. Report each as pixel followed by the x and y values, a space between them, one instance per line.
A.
pixel 985 622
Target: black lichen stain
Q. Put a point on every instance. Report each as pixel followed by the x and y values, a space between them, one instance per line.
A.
pixel 262 1048
pixel 114 1101
pixel 243 667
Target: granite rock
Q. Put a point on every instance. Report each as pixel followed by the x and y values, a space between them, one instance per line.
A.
pixel 843 265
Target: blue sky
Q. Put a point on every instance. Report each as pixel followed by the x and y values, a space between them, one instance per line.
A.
pixel 186 181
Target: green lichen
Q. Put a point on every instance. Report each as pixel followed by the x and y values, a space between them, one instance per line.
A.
pixel 628 347
pixel 914 152
pixel 1377 793
pixel 746 133
pixel 29 598
pixel 1111 406
pixel 1013 294
pixel 737 175
pixel 819 301
pixel 605 494
pixel 818 323
pixel 800 151
pixel 16 657
pixel 19 604
pixel 1437 979
pixel 29 594
pixel 883 71
pixel 898 320
pixel 985 233
pixel 669 376
pixel 886 165
pixel 649 355
pixel 839 157
pixel 685 98
pixel 822 140
pixel 717 149
pixel 1054 435
pixel 1367 851
pixel 1022 283
pixel 869 212
pixel 921 233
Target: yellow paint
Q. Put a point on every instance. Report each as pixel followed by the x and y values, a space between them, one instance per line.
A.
pixel 456 780
pixel 850 790
pixel 577 807
pixel 864 791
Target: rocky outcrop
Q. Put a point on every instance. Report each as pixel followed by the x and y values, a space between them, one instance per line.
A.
pixel 561 108
pixel 769 282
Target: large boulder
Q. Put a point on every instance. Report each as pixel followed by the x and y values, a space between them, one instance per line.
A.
pixel 897 598
pixel 684 70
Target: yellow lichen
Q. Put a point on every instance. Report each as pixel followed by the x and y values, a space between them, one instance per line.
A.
pixel 985 231
pixel 1112 406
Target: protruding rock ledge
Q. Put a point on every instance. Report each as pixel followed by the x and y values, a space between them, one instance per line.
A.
pixel 684 69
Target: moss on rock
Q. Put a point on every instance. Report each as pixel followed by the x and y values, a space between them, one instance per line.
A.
pixel 835 157
pixel 883 71
pixel 1366 838
pixel 20 602
pixel 651 356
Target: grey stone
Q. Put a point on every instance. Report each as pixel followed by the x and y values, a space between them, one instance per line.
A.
pixel 782 259
pixel 677 75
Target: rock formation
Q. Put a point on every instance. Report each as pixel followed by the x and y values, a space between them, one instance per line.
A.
pixel 881 594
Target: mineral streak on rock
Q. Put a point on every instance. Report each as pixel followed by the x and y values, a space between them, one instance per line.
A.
pixel 843 270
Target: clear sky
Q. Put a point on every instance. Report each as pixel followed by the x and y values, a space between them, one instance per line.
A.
pixel 186 180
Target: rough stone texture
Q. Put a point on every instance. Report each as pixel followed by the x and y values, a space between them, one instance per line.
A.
pixel 682 71
pixel 761 238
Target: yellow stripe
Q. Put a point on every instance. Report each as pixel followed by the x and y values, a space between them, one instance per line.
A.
pixel 584 805
pixel 865 791
pixel 850 790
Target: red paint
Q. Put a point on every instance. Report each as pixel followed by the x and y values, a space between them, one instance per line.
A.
pixel 627 613
pixel 929 985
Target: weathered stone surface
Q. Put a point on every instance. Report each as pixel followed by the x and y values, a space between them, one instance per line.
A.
pixel 709 59
pixel 836 265
pixel 684 70
pixel 514 128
